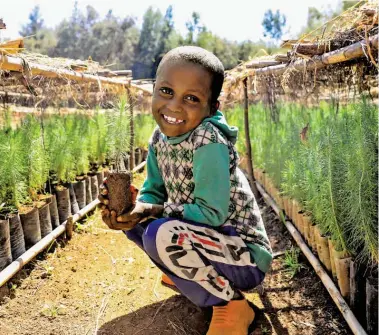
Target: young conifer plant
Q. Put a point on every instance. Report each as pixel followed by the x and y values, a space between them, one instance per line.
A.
pixel 119 179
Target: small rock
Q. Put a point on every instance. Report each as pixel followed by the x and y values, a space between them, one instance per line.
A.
pixel 73 269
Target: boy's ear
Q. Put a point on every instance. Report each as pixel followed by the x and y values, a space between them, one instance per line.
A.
pixel 214 107
pixel 153 86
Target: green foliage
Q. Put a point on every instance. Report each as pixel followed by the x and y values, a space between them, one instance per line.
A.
pixel 193 27
pixel 273 24
pixel 144 126
pixel 39 38
pixel 80 134
pixel 36 156
pixel 118 132
pixel 97 133
pixel 118 42
pixel 35 23
pixel 149 43
pixel 58 146
pixel 64 146
pixel 13 165
pixel 360 187
pixel 333 173
pixel 291 262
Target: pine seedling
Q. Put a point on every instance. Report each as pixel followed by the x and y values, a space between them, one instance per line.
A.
pixel 37 158
pixel 13 166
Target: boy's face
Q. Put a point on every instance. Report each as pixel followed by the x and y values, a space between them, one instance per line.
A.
pixel 181 97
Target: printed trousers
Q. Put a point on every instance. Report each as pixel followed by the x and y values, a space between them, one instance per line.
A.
pixel 206 265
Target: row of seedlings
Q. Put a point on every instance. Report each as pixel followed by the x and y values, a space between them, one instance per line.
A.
pixel 320 166
pixel 52 168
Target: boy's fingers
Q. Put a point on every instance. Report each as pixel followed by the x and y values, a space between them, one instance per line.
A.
pixel 113 218
pixel 103 189
pixel 128 217
pixel 124 225
pixel 101 206
pixel 103 199
pixel 105 215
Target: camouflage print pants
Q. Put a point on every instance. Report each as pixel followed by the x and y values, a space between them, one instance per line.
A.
pixel 206 266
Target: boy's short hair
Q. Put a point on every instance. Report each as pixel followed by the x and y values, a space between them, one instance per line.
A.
pixel 202 57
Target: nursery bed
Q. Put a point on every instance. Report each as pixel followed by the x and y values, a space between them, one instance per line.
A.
pixel 101 282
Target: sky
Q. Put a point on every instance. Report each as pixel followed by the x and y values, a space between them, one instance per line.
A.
pixel 236 20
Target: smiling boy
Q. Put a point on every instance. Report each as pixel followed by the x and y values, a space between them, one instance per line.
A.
pixel 208 239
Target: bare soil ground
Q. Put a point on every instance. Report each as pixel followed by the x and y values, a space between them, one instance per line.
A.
pixel 101 283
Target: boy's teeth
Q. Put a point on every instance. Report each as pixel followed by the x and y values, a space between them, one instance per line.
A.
pixel 172 120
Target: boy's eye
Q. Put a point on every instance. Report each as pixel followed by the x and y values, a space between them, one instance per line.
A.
pixel 166 90
pixel 192 98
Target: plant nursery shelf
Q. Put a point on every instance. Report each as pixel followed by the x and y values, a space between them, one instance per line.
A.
pixel 17 64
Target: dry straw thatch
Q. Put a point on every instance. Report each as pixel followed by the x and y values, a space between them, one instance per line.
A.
pixel 338 60
pixel 39 80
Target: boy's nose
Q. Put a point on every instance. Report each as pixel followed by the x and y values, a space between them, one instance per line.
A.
pixel 174 105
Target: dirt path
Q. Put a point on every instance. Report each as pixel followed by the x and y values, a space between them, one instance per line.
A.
pixel 102 283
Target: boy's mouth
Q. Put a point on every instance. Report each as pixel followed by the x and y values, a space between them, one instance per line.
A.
pixel 172 120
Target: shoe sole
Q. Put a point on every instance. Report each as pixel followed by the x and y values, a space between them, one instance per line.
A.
pixel 172 287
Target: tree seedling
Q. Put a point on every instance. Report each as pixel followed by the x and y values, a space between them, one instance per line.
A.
pixel 291 262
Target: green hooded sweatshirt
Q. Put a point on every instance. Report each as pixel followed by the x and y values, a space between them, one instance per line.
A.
pixel 196 177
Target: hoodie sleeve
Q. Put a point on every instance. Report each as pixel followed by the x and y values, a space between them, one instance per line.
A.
pixel 153 190
pixel 211 189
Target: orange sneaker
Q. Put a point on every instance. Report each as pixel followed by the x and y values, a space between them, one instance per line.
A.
pixel 232 319
pixel 166 280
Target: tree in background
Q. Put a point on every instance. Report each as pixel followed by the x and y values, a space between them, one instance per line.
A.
pixel 38 38
pixel 169 38
pixel 193 27
pixel 148 43
pixel 113 41
pixel 346 4
pixel 273 24
pixel 117 43
pixel 73 34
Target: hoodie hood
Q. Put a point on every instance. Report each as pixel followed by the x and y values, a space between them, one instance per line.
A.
pixel 218 120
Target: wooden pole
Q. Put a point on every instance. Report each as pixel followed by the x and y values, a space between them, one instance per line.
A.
pixel 11 63
pixel 348 315
pixel 355 50
pixel 263 63
pixel 250 170
pixel 26 257
pixel 131 129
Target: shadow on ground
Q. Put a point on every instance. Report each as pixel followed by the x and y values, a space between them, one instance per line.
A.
pixel 173 316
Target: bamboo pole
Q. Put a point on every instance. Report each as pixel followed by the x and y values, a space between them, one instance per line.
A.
pixel 348 315
pixel 338 56
pixel 17 64
pixel 131 129
pixel 262 63
pixel 26 257
pixel 250 169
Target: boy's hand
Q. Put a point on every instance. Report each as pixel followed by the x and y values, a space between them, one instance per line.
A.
pixel 108 216
pixel 127 221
